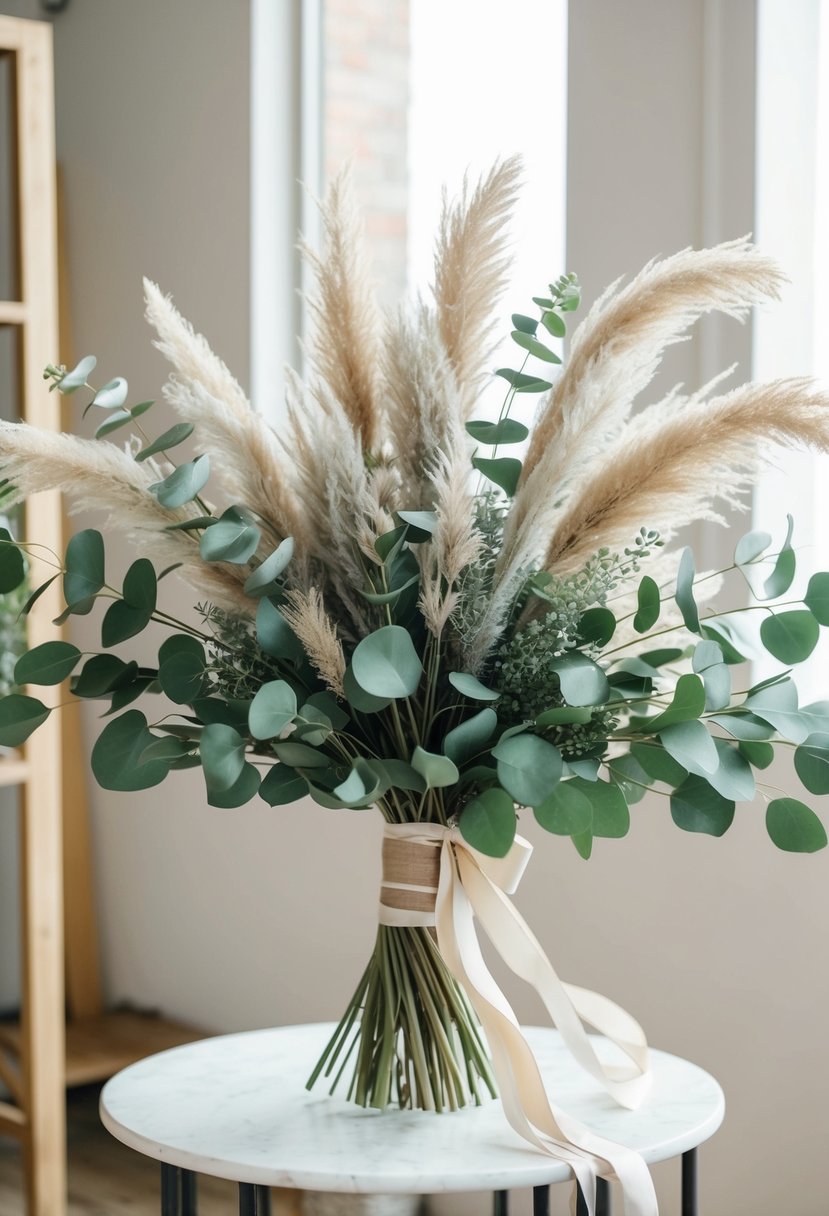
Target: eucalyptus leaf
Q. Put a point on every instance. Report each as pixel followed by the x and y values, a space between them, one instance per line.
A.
pixel 658 764
pixel 183 484
pixel 468 739
pixel 386 664
pixel 49 663
pixel 273 707
pixel 522 382
pixel 507 431
pixel 562 715
pixel 733 777
pixel 114 422
pixel 359 700
pixel 567 811
pixel 20 716
pixel 696 807
pixel 688 703
pixel 504 471
pixel 84 575
pixel 117 756
pixel 101 674
pixel 526 325
pixel 553 323
pixel 222 751
pixel 436 770
pixel 488 822
pixel 529 768
pixel 597 625
pixel 782 576
pixel 750 547
pixel 648 605
pixel 182 668
pixel 759 755
pixel 744 726
pixel 234 538
pixel 78 376
pixel 170 439
pixel 263 580
pixel 816 598
pixel 632 779
pixel 534 346
pixel 582 681
pixel 300 755
pixel 275 635
pixel 790 636
pixel 610 814
pixel 811 762
pixel 795 827
pixel 470 686
pixel 112 395
pixel 684 594
pixel 691 746
pixel 12 565
pixel 245 787
pixel 282 785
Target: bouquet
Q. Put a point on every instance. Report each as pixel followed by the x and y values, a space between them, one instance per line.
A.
pixel 455 620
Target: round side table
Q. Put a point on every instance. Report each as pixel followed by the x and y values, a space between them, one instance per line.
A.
pixel 236 1107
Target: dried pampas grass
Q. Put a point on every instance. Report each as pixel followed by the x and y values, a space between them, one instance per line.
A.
pixel 305 613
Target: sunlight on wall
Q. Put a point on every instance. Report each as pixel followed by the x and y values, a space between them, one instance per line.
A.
pixel 489 80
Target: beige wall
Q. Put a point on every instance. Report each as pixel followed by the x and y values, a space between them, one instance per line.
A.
pixel 255 917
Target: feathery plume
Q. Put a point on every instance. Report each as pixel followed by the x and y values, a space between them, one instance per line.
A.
pixel 470 270
pixel 305 613
pixel 345 348
pixel 666 471
pixel 99 476
pixel 247 459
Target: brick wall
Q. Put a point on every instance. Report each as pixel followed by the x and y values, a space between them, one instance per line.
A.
pixel 365 117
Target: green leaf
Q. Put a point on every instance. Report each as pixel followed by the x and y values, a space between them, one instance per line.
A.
pixel 494 433
pixel 436 770
pixel 282 785
pixel 597 625
pixel 733 778
pixel 359 700
pixel 49 663
pixel 648 605
pixel 696 807
pixel 234 538
pixel 736 634
pixel 563 715
pixel 529 768
pixel 628 774
pixel 782 576
pixel 263 580
pixel 170 439
pixel 36 594
pixel 117 755
pixel 554 324
pixel 386 663
pixel 504 471
pixel 488 822
pixel 708 663
pixel 523 383
pixel 245 787
pixel 658 764
pixel 790 636
pixel 419 522
pixel 101 674
pixel 793 826
pixel 114 422
pixel 390 597
pixel 582 681
pixel 273 707
pixel 300 755
pixel 399 775
pixel 222 751
pixel 691 746
pixel 112 395
pixel 688 703
pixel 759 755
pixel 745 726
pixel 750 547
pixel 183 484
pixel 684 595
pixel 611 817
pixel 312 725
pixel 584 844
pixel 275 635
pixel 525 325
pixel 78 376
pixel 181 668
pixel 327 702
pixel 390 543
pixel 816 598
pixel 811 762
pixel 567 811
pixel 229 711
pixel 468 739
pixel 12 565
pixel 192 525
pixel 129 616
pixel 19 717
pixel 529 343
pixel 470 686
pixel 84 575
pixel 166 748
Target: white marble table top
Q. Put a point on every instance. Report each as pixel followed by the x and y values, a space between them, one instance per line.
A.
pixel 236 1107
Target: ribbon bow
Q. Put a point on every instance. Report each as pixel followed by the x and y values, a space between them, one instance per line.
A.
pixel 472 884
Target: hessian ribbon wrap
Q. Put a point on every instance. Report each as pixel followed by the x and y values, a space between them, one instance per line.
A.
pixel 432 877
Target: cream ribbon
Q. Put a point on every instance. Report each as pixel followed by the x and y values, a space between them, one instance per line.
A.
pixel 471 884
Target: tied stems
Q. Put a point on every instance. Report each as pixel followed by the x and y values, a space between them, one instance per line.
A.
pixel 410 1032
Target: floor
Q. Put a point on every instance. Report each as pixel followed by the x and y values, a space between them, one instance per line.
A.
pixel 107 1179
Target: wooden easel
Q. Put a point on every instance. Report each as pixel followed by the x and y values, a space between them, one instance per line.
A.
pixel 43 1054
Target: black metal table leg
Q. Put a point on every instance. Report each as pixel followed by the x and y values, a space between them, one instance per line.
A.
pixel 500 1203
pixel 170 1190
pixel 189 1205
pixel 581 1202
pixel 602 1197
pixel 689 1183
pixel 541 1201
pixel 254 1200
